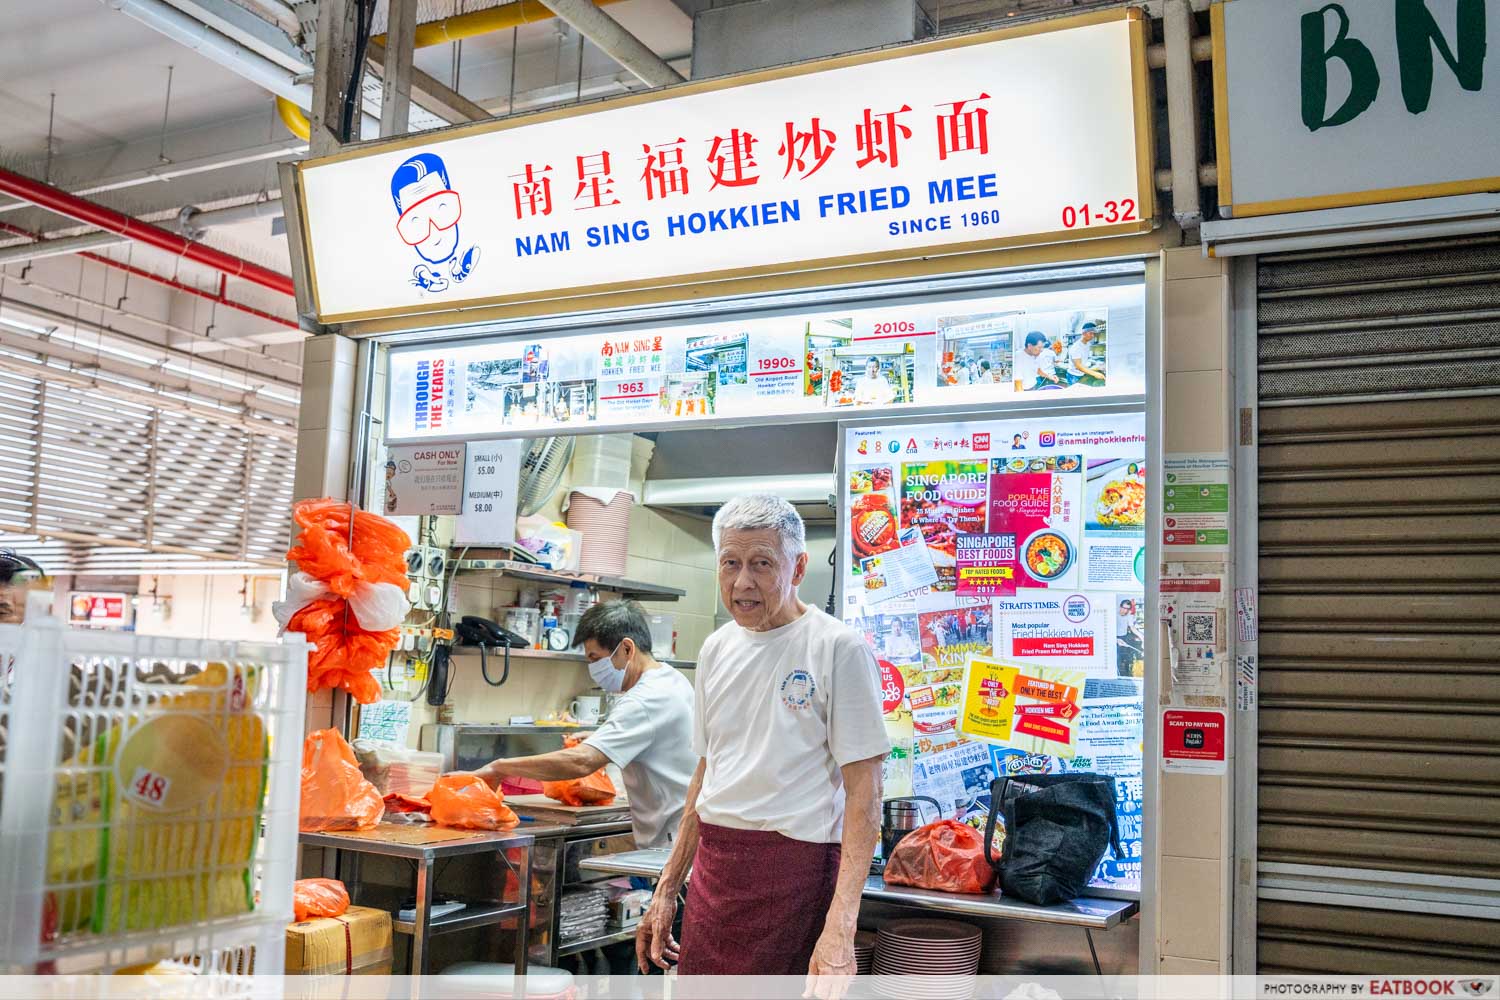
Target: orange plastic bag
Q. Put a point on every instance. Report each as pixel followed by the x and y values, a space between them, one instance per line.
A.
pixel 376 552
pixel 344 653
pixel 947 856
pixel 465 802
pixel 335 795
pixel 591 790
pixel 395 802
pixel 319 897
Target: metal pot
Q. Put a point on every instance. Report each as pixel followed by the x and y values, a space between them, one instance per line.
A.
pixel 901 816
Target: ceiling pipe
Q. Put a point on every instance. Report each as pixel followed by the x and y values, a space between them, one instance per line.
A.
pixel 191 223
pixel 58 201
pixel 238 59
pixel 180 286
pixel 42 249
pixel 17 254
pixel 619 44
pixel 294 118
pixel 481 22
pixel 276 150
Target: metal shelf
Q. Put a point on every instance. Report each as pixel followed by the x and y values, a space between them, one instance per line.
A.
pixel 473 915
pixel 637 589
pixel 548 654
pixel 614 937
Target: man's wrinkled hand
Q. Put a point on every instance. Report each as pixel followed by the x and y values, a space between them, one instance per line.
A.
pixel 654 942
pixel 832 966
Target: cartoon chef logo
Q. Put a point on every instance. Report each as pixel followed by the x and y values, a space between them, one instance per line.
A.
pixel 797 690
pixel 428 210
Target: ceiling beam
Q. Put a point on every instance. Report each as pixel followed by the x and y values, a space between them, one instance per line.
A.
pixel 429 93
pixel 278 149
pixel 617 43
pixel 250 30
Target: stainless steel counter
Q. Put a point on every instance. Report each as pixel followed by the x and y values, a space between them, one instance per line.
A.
pixel 479 913
pixel 646 862
pixel 1086 911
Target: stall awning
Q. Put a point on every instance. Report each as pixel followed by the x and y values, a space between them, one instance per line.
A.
pixel 1424 218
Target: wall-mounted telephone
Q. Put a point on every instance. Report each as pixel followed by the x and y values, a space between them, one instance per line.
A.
pixel 475 631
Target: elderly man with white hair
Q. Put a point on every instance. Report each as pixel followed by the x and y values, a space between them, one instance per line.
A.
pixel 782 812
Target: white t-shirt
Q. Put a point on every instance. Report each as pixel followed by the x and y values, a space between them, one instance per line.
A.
pixel 1029 369
pixel 874 390
pixel 777 715
pixel 902 648
pixel 1081 354
pixel 649 736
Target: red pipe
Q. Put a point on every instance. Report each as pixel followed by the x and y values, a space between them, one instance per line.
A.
pixel 93 214
pixel 173 283
pixel 189 289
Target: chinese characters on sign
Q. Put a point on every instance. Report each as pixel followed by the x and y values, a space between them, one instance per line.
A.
pixel 904 153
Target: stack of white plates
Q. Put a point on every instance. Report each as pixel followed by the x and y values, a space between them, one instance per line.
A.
pixel 946 951
pixel 864 952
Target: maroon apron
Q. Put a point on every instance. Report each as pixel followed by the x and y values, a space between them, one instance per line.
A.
pixel 756 903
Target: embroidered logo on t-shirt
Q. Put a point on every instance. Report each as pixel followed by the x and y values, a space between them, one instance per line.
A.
pixel 797 690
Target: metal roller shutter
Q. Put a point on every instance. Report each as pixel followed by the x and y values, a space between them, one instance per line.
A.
pixel 1379 565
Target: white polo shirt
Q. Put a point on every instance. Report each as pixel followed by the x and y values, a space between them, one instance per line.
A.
pixel 649 736
pixel 777 715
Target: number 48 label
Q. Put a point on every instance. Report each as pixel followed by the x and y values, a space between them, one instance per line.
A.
pixel 148 788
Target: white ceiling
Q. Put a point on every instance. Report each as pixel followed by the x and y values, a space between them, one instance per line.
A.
pixel 109 73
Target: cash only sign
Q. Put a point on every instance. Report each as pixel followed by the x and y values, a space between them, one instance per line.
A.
pixel 1031 135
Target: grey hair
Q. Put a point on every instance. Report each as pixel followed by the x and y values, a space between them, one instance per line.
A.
pixel 611 623
pixel 755 511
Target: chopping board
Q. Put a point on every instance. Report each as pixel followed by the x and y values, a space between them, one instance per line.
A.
pixel 394 833
pixel 540 805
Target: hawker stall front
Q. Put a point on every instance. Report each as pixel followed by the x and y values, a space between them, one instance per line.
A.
pixel 916 293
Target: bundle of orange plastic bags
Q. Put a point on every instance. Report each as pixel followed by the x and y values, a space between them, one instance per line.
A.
pixel 349 594
pixel 319 897
pixel 947 856
pixel 335 795
pixel 590 790
pixel 465 802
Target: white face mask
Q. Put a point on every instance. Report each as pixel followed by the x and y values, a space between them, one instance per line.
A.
pixel 605 674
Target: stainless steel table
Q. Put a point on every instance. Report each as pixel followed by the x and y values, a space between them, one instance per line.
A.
pixel 1089 912
pixel 422 926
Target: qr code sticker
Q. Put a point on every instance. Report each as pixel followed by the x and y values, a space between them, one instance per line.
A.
pixel 1200 628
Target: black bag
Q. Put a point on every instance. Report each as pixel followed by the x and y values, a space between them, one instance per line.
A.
pixel 1057 827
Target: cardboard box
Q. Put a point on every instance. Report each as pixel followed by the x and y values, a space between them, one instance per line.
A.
pixel 357 943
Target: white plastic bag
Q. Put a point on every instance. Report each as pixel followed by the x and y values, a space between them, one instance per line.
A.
pixel 301 590
pixel 379 606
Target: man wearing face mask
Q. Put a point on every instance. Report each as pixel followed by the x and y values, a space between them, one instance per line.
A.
pixel 649 732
